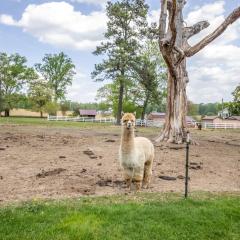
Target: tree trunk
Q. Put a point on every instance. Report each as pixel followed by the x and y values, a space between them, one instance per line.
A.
pixel 41 114
pixel 174 130
pixel 145 104
pixel 6 112
pixel 143 114
pixel 120 102
pixel 1 102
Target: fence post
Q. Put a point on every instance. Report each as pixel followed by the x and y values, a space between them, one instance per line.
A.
pixel 186 166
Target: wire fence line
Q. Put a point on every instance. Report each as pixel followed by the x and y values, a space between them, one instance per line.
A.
pixel 144 123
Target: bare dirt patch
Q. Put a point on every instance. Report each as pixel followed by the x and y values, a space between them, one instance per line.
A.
pixel 42 162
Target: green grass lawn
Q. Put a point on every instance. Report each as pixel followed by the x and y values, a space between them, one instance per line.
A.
pixel 45 122
pixel 31 121
pixel 151 216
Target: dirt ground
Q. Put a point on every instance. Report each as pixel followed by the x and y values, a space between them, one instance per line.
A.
pixel 46 162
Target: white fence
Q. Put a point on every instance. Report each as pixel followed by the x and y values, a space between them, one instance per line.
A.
pixel 219 125
pixel 81 119
pixel 148 123
pixel 142 123
pixel 139 122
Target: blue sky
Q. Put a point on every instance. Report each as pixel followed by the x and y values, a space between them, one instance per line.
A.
pixel 33 28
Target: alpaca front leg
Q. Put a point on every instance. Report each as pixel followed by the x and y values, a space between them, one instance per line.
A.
pixel 147 173
pixel 127 174
pixel 137 179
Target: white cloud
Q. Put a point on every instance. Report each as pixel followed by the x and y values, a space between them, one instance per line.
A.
pixel 95 2
pixel 214 71
pixel 153 16
pixel 59 24
pixel 208 11
pixel 8 20
pixel 83 88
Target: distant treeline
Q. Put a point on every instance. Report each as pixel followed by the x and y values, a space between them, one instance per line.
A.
pixel 209 109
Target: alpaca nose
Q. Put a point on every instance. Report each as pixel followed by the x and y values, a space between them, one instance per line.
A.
pixel 129 124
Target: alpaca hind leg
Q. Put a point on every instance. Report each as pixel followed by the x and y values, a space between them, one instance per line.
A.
pixel 147 173
pixel 127 174
pixel 137 179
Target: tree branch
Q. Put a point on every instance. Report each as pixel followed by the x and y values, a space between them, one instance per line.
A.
pixel 172 24
pixel 195 29
pixel 162 20
pixel 208 39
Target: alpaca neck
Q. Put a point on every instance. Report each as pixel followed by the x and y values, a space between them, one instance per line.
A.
pixel 127 140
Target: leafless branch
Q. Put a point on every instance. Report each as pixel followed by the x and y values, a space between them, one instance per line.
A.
pixel 172 24
pixel 162 19
pixel 196 28
pixel 208 39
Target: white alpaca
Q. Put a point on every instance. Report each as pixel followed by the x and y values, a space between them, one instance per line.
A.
pixel 135 154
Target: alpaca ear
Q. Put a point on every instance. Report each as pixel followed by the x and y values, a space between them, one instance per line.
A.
pixel 122 113
pixel 135 113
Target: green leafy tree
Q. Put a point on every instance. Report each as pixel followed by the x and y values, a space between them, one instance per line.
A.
pixel 192 108
pixel 149 72
pixel 76 106
pixel 103 106
pixel 39 95
pixel 23 102
pixel 65 106
pixel 236 94
pixel 234 106
pixel 14 74
pixel 108 94
pixel 208 109
pixel 126 24
pixel 58 71
pixel 51 107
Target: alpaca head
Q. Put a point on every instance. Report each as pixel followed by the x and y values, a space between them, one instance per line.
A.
pixel 128 120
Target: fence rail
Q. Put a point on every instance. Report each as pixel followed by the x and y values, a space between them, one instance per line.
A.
pixel 139 122
pixel 149 123
pixel 143 123
pixel 81 119
pixel 219 125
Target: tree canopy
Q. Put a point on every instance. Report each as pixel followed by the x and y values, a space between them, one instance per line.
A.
pixel 58 71
pixel 127 23
pixel 14 73
pixel 39 95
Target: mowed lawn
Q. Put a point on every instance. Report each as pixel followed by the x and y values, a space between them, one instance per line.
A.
pixel 152 216
pixel 45 122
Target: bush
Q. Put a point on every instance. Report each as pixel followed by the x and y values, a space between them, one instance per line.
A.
pixel 51 108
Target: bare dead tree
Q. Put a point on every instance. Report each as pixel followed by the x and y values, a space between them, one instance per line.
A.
pixel 174 46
